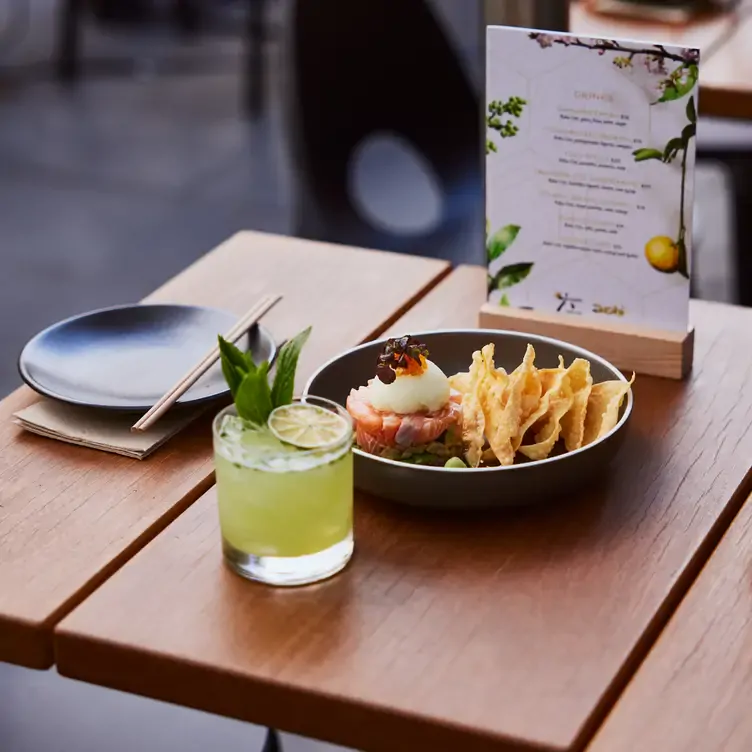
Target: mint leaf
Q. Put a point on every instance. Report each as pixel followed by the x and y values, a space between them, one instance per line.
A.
pixel 253 399
pixel 236 356
pixel 287 363
pixel 235 364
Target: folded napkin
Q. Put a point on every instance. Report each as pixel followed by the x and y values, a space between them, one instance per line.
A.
pixel 100 429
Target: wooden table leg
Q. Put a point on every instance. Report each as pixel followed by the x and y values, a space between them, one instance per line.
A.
pixel 188 17
pixel 272 743
pixel 254 58
pixel 69 41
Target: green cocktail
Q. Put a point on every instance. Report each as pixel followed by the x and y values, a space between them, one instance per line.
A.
pixel 285 491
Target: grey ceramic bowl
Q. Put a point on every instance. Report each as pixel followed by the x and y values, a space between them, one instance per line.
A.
pixel 517 485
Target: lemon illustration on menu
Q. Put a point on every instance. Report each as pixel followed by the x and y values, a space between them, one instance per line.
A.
pixel 662 254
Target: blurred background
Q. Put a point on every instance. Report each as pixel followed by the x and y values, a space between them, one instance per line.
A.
pixel 135 135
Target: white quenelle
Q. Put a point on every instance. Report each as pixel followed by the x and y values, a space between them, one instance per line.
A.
pixel 411 393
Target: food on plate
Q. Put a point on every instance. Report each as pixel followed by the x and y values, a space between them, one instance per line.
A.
pixel 411 411
pixel 408 411
pixel 603 408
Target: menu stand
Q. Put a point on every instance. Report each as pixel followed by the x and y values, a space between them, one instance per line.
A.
pixel 651 352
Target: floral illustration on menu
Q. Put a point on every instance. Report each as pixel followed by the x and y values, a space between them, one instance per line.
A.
pixel 590 156
pixel 499 118
pixel 676 76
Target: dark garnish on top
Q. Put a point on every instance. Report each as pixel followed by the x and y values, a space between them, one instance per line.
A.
pixel 398 353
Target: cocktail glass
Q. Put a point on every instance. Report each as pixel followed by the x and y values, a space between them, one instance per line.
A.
pixel 285 513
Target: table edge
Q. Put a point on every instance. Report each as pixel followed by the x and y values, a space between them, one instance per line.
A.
pixel 267 702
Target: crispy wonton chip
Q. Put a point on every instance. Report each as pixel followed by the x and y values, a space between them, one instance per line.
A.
pixel 532 387
pixel 460 382
pixel 603 408
pixel 551 380
pixel 503 410
pixel 573 421
pixel 473 421
pixel 546 420
pixel 558 405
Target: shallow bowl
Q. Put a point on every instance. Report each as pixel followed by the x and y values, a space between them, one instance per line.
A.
pixel 521 484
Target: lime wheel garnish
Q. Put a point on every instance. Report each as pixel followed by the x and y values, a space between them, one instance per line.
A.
pixel 308 426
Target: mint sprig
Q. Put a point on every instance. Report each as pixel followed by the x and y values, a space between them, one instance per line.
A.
pixel 249 384
pixel 235 364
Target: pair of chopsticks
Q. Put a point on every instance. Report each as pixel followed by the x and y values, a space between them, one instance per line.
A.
pixel 164 403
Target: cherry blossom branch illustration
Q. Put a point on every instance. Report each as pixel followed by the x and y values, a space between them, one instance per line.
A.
pixel 674 84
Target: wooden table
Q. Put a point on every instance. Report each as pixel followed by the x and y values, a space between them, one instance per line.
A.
pixel 693 691
pixel 725 77
pixel 70 517
pixel 447 632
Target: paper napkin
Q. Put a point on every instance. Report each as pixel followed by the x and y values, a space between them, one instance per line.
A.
pixel 100 429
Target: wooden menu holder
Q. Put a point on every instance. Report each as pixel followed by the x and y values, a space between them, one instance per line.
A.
pixel 647 351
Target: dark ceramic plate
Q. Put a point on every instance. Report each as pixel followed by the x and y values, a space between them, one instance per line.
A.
pixel 517 485
pixel 127 357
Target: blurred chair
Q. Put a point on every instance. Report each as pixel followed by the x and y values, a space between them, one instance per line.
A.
pixel 187 16
pixel 364 68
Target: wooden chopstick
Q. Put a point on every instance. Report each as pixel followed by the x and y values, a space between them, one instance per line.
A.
pixel 164 403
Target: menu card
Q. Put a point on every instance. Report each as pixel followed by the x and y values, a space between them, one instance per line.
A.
pixel 590 154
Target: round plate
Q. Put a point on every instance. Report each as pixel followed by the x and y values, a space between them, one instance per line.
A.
pixel 127 357
pixel 521 484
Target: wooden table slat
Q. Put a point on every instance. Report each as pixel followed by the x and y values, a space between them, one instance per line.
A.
pixel 70 516
pixel 693 690
pixel 474 632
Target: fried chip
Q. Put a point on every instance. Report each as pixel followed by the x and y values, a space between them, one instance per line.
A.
pixel 503 410
pixel 558 406
pixel 550 380
pixel 546 420
pixel 460 382
pixel 603 408
pixel 540 406
pixel 473 420
pixel 532 387
pixel 573 421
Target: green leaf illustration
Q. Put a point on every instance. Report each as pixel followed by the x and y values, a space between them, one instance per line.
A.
pixel 501 240
pixel 682 265
pixel 672 149
pixel 512 275
pixel 504 300
pixel 641 155
pixel 676 88
pixel 691 112
pixel 688 132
